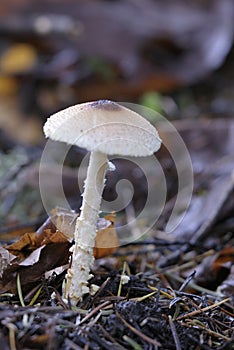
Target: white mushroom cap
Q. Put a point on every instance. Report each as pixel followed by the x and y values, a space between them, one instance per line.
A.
pixel 104 126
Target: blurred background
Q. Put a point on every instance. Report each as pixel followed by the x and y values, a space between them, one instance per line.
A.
pixel 175 57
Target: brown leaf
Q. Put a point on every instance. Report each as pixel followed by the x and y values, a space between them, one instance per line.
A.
pixel 52 256
pixel 37 341
pixel 25 243
pixel 106 240
pixel 214 269
pixel 33 258
pixel 227 286
pixel 224 258
pixel 32 241
pixel 39 254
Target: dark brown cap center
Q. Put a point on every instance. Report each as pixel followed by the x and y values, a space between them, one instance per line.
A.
pixel 105 105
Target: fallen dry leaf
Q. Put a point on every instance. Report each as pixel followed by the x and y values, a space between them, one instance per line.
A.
pixel 227 286
pixel 106 240
pixel 33 258
pixel 5 259
pixel 31 241
pixel 42 254
pixel 214 269
pixel 225 256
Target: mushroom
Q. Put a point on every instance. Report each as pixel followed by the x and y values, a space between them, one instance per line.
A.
pixel 104 128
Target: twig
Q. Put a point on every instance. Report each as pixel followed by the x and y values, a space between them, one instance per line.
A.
pixel 174 333
pixel 196 312
pixel 12 329
pixel 209 331
pixel 137 332
pixel 106 334
pixel 193 285
pixel 163 279
pixel 100 289
pixel 191 263
pixel 92 322
pixel 93 312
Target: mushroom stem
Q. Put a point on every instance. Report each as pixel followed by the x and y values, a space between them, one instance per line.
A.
pixel 86 228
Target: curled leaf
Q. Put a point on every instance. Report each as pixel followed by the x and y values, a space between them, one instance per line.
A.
pixel 43 254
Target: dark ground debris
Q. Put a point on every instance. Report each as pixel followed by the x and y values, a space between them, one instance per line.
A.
pixel 154 310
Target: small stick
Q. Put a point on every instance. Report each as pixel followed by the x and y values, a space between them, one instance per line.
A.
pixel 106 334
pixel 12 329
pixel 137 332
pixel 100 289
pixel 209 331
pixel 192 263
pixel 174 333
pixel 193 285
pixel 196 312
pixel 99 307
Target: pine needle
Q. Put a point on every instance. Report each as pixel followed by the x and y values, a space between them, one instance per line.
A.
pixel 19 289
pixel 36 295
